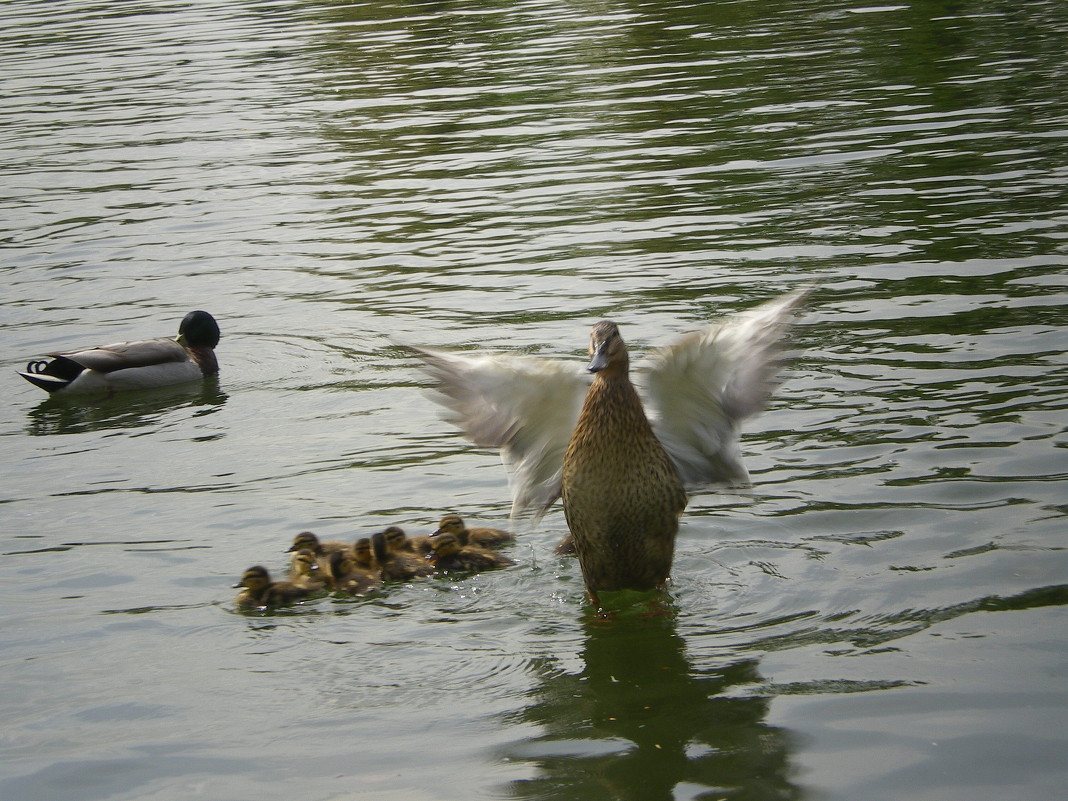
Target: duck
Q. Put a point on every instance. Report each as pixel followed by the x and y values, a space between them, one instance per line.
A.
pixel 141 364
pixel 482 537
pixel 258 590
pixel 624 476
pixel 306 571
pixel 450 555
pixel 349 577
pixel 400 541
pixel 364 555
pixel 306 540
pixel 397 565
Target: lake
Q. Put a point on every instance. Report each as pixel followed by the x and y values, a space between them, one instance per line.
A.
pixel 881 617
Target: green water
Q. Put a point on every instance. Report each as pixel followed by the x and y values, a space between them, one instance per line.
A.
pixel 880 618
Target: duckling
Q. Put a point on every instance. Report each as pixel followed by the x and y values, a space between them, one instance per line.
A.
pixel 364 555
pixel 451 555
pixel 305 571
pixel 141 364
pixel 397 565
pixel 622 476
pixel 260 591
pixel 399 541
pixel 482 537
pixel 306 540
pixel 349 577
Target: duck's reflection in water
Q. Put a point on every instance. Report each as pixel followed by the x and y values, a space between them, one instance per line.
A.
pixel 640 722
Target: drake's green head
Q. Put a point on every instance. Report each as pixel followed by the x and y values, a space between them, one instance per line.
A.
pixel 198 330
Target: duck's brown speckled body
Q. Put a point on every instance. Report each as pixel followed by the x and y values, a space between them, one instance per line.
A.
pixel 621 492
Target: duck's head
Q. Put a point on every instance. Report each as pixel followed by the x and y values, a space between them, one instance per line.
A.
pixel 607 349
pixel 255 578
pixel 198 330
pixel 305 541
pixel 450 524
pixel 445 545
pixel 304 563
pixel 396 537
pixel 362 551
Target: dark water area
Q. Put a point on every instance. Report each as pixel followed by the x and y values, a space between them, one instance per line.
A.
pixel 880 617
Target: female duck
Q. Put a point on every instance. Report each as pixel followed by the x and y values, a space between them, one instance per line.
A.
pixel 451 556
pixel 623 478
pixel 482 537
pixel 259 591
pixel 141 364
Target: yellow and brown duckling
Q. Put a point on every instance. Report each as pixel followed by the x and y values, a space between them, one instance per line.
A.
pixel 305 570
pixel 258 590
pixel 400 541
pixel 306 540
pixel 623 476
pixel 478 536
pixel 350 577
pixel 397 565
pixel 450 555
pixel 364 554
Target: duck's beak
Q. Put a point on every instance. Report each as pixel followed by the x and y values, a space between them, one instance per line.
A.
pixel 235 586
pixel 599 361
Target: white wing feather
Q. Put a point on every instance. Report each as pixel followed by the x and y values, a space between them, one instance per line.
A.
pixel 525 406
pixel 702 387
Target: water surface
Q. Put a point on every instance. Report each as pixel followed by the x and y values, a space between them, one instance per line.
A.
pixel 881 617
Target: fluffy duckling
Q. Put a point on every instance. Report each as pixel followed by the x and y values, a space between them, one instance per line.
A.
pixel 481 537
pixel 399 541
pixel 306 571
pixel 397 565
pixel 622 476
pixel 451 555
pixel 306 540
pixel 364 554
pixel 349 577
pixel 259 591
pixel 140 364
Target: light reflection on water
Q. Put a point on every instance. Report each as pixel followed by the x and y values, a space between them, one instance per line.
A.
pixel 328 179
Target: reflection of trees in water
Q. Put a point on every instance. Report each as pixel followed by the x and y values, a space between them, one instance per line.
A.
pixel 638 721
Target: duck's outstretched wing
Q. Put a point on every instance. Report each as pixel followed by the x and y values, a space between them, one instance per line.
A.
pixel 703 386
pixel 525 406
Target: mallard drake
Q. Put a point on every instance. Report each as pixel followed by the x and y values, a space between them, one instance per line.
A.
pixel 305 570
pixel 623 478
pixel 397 565
pixel 482 537
pixel 141 364
pixel 259 591
pixel 349 577
pixel 452 556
